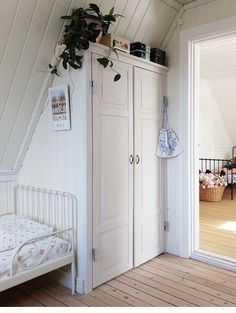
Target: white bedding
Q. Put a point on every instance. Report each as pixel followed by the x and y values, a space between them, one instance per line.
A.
pixel 31 254
pixel 16 230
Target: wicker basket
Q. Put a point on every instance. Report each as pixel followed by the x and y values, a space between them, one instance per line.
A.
pixel 211 194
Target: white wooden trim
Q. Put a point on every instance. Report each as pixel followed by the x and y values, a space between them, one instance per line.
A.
pixel 128 58
pixel 5 173
pixel 172 249
pixel 174 4
pixel 88 284
pixel 214 259
pixel 172 29
pixel 188 201
pixel 8 178
pixel 64 279
pixel 177 18
pixel 196 3
pixel 80 286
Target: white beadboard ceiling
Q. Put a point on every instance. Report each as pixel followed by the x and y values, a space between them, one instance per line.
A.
pixel 29 30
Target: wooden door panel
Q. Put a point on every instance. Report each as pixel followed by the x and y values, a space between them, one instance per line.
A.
pixel 148 204
pixel 150 167
pixel 112 172
pixel 115 251
pixel 114 152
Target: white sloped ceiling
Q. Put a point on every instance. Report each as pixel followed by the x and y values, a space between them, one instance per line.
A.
pixel 29 30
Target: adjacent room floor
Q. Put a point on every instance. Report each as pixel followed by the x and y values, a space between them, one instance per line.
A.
pixel 165 281
pixel 218 226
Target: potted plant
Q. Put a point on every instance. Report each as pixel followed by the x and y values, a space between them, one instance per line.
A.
pixel 85 26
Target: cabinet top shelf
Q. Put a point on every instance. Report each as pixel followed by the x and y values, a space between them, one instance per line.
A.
pixel 128 58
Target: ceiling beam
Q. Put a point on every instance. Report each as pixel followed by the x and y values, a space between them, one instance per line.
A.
pixel 173 3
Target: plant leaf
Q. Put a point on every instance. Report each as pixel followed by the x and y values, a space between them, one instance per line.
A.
pixel 119 15
pixel 117 77
pixel 64 64
pixel 94 7
pixel 67 17
pixel 111 11
pixel 109 18
pixel 117 55
pixel 73 65
pixel 103 61
pixel 54 71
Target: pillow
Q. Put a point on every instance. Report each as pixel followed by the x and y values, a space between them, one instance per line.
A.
pixel 15 230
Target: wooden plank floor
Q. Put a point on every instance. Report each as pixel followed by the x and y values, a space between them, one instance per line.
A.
pixel 218 226
pixel 165 281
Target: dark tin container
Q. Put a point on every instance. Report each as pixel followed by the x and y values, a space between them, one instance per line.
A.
pixel 140 46
pixel 141 54
pixel 158 53
pixel 158 60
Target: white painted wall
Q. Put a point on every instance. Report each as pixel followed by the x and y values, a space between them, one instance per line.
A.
pixel 203 12
pixel 55 156
pixel 7 195
pixel 215 136
pixel 28 33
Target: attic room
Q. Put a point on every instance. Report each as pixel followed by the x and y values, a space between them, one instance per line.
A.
pixel 117 153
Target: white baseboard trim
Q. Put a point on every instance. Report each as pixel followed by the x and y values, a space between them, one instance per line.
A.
pixel 80 286
pixel 172 249
pixel 64 279
pixel 214 259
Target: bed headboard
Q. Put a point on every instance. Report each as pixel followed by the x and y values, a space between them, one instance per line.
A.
pixel 55 208
pixel 214 165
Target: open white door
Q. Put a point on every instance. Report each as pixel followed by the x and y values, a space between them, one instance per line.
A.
pixel 148 203
pixel 112 172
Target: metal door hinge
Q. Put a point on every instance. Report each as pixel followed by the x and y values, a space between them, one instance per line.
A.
pixel 93 86
pixel 94 254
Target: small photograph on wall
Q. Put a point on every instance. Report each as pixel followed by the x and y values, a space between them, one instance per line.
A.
pixel 59 100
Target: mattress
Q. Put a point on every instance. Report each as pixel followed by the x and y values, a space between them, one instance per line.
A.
pixel 34 254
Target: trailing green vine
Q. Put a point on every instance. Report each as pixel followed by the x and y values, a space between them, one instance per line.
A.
pixel 86 25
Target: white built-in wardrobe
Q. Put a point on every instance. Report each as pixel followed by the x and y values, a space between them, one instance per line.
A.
pixel 127 177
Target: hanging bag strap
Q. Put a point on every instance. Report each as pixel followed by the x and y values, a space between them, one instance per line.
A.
pixel 165 118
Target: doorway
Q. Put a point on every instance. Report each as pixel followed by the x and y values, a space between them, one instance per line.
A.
pixel 217 140
pixel 190 45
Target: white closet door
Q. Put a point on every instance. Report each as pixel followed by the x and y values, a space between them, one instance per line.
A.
pixel 112 172
pixel 148 203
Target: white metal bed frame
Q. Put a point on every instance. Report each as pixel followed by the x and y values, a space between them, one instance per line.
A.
pixel 54 208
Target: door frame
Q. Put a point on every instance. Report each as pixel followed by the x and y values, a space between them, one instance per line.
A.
pixel 189 164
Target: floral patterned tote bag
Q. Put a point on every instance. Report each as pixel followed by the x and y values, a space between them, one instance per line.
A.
pixel 168 145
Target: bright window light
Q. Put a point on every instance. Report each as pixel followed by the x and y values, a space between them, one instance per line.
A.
pixel 228 226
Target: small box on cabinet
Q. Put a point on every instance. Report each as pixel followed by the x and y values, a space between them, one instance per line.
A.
pixel 116 42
